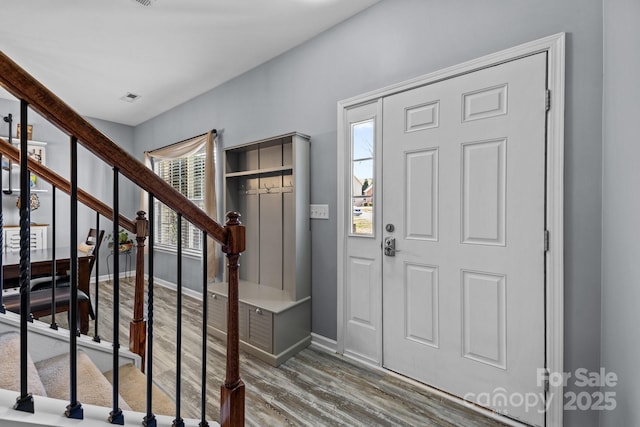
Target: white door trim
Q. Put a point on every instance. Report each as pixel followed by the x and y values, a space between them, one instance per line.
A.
pixel 555 47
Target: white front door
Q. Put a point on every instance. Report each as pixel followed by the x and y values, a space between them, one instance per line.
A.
pixel 464 189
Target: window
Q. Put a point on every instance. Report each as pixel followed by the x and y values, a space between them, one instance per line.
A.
pixel 362 171
pixel 185 174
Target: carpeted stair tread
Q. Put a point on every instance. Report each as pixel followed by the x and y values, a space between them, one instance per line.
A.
pixel 133 389
pixel 93 387
pixel 10 372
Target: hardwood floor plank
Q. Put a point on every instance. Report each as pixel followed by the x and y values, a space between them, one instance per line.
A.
pixel 312 388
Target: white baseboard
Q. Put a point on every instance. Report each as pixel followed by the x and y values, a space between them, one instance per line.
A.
pixel 170 285
pixel 108 277
pixel 165 284
pixel 323 343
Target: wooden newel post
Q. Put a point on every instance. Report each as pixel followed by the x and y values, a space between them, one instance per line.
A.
pixel 138 325
pixel 232 391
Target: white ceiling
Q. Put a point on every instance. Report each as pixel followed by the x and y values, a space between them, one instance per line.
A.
pixel 92 52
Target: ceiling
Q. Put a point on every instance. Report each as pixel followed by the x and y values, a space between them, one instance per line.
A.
pixel 91 53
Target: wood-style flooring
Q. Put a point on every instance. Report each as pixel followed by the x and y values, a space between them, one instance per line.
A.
pixel 313 388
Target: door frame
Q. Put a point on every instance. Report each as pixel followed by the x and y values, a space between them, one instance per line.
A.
pixel 554 46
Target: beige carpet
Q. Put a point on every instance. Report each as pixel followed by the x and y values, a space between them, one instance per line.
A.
pixel 133 388
pixel 93 387
pixel 10 372
pixel 50 378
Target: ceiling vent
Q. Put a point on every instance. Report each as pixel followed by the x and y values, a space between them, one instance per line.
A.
pixel 130 97
pixel 144 2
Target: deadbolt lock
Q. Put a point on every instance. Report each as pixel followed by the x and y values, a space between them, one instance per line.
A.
pixel 389 246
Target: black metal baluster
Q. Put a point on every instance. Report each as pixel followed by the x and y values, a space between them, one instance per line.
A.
pixel 2 307
pixel 205 305
pixel 179 422
pixel 74 409
pixel 150 419
pixel 96 254
pixel 25 400
pixel 116 416
pixel 54 267
pixel 9 119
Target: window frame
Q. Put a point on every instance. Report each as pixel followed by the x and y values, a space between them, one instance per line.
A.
pixel 352 161
pixel 160 209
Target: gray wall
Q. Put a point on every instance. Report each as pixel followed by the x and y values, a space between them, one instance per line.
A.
pixel 94 176
pixel 621 201
pixel 393 41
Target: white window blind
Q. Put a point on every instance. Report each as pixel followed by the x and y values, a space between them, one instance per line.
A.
pixel 186 175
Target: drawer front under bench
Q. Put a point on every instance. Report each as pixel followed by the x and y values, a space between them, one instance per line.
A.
pixel 217 312
pixel 255 323
pixel 256 326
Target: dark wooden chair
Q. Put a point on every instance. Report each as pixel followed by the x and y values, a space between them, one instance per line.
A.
pixel 90 246
pixel 40 295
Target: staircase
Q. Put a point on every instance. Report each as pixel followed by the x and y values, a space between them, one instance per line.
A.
pixel 50 378
pixel 34 376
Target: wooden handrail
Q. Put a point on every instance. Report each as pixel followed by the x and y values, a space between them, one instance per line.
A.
pixel 61 183
pixel 23 86
pixel 232 237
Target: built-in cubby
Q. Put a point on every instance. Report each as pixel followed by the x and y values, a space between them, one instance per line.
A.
pixel 267 181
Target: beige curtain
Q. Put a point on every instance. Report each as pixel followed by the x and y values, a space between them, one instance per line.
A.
pixel 184 149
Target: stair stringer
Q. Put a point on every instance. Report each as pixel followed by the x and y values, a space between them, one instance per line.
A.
pixel 50 412
pixel 45 343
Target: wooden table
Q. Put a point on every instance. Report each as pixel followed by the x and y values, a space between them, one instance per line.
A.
pixel 41 263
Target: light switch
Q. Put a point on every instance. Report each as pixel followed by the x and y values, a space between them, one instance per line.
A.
pixel 319 211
